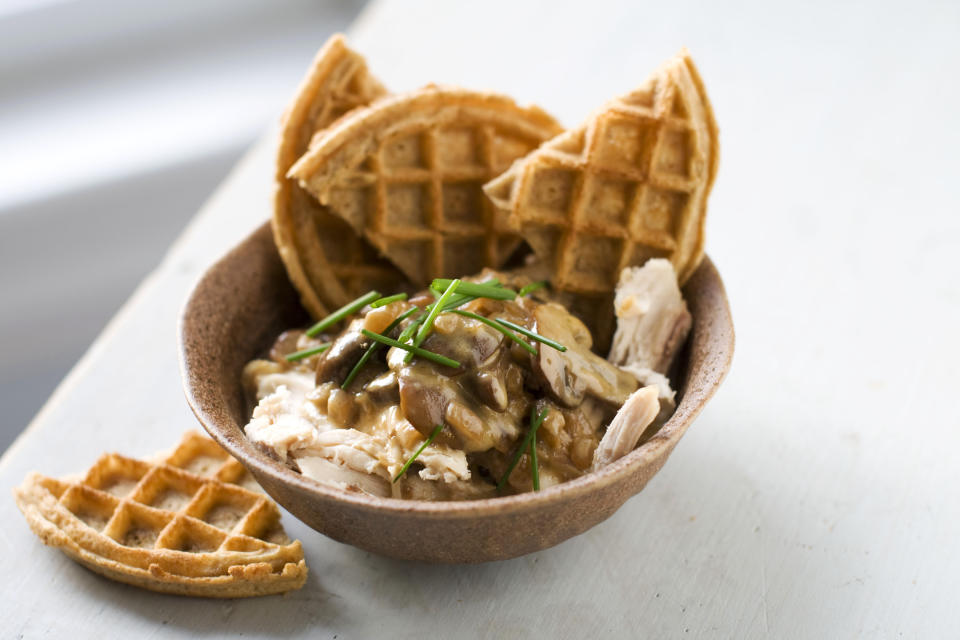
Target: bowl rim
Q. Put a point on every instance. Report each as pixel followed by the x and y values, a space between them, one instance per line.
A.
pixel 619 470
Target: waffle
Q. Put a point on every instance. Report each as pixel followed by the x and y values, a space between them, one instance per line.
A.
pixel 327 262
pixel 407 173
pixel 179 524
pixel 628 185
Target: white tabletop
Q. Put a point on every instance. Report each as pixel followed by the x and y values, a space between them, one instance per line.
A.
pixel 816 496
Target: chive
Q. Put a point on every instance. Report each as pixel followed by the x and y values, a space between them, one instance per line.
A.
pixel 496 325
pixel 411 328
pixel 460 299
pixel 374 346
pixel 423 353
pixel 533 336
pixel 306 353
pixel 382 302
pixel 535 422
pixel 534 465
pixel 406 465
pixel 478 290
pixel 533 286
pixel 455 301
pixel 435 309
pixel 343 312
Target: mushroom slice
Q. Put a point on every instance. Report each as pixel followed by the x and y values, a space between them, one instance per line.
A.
pixel 337 361
pixel 569 375
pixel 428 398
pixel 628 425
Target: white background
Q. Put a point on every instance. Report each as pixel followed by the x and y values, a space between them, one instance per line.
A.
pixel 815 497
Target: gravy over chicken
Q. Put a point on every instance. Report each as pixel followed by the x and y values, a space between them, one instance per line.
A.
pixel 359 434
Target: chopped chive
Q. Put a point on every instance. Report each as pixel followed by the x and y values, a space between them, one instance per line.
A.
pixel 382 302
pixel 533 286
pixel 374 346
pixel 534 465
pixel 423 353
pixel 411 328
pixel 343 312
pixel 533 336
pixel 306 353
pixel 478 290
pixel 496 325
pixel 535 422
pixel 455 301
pixel 435 309
pixel 460 299
pixel 406 465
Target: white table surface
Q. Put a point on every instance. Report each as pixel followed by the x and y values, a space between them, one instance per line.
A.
pixel 817 495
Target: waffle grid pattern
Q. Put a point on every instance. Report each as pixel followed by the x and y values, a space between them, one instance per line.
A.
pixel 626 187
pixel 428 200
pixel 179 516
pixel 408 174
pixel 356 265
pixel 314 243
pixel 142 506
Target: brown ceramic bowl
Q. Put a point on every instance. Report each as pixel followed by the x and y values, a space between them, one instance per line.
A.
pixel 245 300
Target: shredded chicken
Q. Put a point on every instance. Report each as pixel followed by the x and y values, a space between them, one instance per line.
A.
pixel 652 325
pixel 652 317
pixel 666 395
pixel 289 423
pixel 628 425
pixel 358 429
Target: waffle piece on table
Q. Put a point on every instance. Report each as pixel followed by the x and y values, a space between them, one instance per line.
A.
pixel 628 185
pixel 178 524
pixel 407 172
pixel 327 262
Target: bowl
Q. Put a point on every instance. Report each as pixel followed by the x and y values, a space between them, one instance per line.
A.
pixel 245 300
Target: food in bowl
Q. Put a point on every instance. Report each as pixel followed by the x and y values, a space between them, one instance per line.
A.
pixel 476 388
pixel 492 384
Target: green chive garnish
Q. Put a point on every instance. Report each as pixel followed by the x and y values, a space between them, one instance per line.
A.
pixel 535 422
pixel 534 465
pixel 343 312
pixel 460 299
pixel 411 328
pixel 533 336
pixel 374 346
pixel 530 288
pixel 496 325
pixel 306 353
pixel 423 353
pixel 478 290
pixel 406 465
pixel 435 310
pixel 382 302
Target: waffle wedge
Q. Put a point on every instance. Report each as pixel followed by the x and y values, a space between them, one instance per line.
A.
pixel 628 185
pixel 180 524
pixel 327 262
pixel 407 173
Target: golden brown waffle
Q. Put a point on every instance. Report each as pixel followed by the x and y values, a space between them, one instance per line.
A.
pixel 176 525
pixel 327 262
pixel 628 185
pixel 407 173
